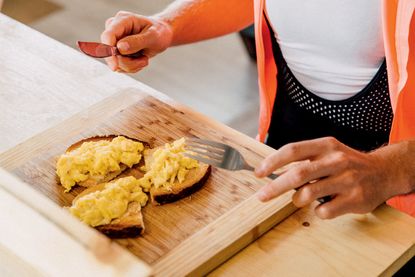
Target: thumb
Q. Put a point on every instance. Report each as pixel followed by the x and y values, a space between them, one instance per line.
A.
pixel 134 43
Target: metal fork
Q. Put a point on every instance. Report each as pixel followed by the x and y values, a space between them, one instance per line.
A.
pixel 218 154
pixel 223 156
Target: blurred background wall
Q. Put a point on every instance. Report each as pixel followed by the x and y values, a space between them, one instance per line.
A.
pixel 215 77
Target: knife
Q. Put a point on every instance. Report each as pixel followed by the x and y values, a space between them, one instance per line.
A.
pixel 101 50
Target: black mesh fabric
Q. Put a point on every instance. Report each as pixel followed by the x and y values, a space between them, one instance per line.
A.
pixel 369 110
pixel 362 121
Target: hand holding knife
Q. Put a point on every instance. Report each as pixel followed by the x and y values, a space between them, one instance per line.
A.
pixel 101 50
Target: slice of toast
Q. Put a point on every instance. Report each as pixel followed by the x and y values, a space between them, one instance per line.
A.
pixel 94 180
pixel 195 179
pixel 130 224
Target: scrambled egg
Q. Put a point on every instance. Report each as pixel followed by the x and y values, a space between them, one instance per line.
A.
pixel 100 207
pixel 167 165
pixel 97 159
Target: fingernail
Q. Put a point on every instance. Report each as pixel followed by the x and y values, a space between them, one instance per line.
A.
pixel 123 46
pixel 262 196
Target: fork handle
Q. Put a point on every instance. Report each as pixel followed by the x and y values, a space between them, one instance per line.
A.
pixel 273 176
pixel 322 200
pixel 138 54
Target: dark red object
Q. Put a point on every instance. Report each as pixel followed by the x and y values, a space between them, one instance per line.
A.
pixel 101 50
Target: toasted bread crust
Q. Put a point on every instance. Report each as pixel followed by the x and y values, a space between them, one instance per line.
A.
pixel 121 231
pixel 163 196
pixel 131 224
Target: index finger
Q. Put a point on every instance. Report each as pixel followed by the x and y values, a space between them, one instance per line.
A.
pixel 293 152
pixel 297 177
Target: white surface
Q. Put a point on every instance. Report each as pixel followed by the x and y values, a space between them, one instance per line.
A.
pixel 333 47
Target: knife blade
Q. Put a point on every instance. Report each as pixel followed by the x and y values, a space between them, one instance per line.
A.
pixel 101 50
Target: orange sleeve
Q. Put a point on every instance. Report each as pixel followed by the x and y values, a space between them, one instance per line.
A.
pixel 197 20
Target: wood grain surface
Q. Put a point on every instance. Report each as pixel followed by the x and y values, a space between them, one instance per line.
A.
pixel 375 244
pixel 39 238
pixel 221 218
pixel 43 82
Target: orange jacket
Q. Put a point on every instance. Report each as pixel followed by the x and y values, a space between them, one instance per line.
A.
pixel 399 36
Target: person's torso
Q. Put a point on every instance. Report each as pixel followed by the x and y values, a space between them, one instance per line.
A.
pixel 333 47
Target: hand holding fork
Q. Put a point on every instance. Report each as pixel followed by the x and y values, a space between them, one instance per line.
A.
pixel 223 156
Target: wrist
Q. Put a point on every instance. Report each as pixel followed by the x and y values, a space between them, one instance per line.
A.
pixel 167 28
pixel 396 167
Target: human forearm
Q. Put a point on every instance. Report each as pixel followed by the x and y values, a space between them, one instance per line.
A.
pixel 184 21
pixel 400 159
pixel 195 20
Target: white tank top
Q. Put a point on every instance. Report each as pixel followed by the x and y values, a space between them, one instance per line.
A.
pixel 333 47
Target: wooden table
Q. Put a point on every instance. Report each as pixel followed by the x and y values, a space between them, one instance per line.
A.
pixel 43 82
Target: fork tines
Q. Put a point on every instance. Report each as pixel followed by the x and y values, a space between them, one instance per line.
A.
pixel 206 142
pixel 206 151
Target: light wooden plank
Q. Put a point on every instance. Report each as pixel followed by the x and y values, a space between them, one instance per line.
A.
pixel 376 244
pixel 85 119
pixel 43 82
pixel 224 237
pixel 217 208
pixel 50 242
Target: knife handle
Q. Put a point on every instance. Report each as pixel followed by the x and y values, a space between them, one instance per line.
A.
pixel 138 54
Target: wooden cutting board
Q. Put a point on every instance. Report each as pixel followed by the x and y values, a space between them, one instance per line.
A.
pixel 191 236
